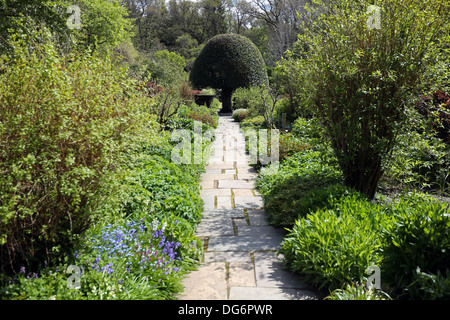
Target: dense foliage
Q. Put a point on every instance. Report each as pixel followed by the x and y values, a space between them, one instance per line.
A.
pixel 64 123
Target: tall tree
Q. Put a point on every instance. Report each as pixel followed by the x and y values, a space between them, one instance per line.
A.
pixel 283 20
pixel 213 18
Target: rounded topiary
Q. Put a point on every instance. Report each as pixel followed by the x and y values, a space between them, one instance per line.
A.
pixel 228 62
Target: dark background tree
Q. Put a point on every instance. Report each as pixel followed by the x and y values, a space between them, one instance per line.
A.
pixel 228 62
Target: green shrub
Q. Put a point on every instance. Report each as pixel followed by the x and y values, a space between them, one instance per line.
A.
pixel 201 113
pixel 416 247
pixel 284 105
pixel 334 247
pixel 216 105
pixel 132 261
pixel 65 122
pixel 250 99
pixel 297 176
pixel 167 68
pixel 288 145
pixel 240 114
pixel 251 122
pixel 310 130
pixel 436 109
pixel 155 203
pixel 418 160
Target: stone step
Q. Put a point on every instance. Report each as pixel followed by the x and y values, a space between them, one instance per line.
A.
pixel 244 243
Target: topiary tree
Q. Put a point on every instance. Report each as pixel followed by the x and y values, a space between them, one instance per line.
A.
pixel 228 62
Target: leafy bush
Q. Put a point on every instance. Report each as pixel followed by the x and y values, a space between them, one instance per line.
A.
pixel 416 246
pixel 140 252
pixel 289 145
pixel 215 104
pixel 167 68
pixel 250 99
pixel 334 247
pixel 285 192
pixel 64 124
pixel 200 113
pixel 240 114
pixel 257 121
pixel 284 105
pixel 310 130
pixel 419 160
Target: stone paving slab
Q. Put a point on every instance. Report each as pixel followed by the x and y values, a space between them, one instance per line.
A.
pixel 242 192
pixel 217 176
pixel 259 293
pixel 207 184
pixel 212 277
pixel 246 176
pixel 270 272
pixel 220 165
pixel 217 213
pixel 241 274
pixel 215 192
pixel 244 243
pixel 236 184
pixel 248 202
pixel 257 217
pixel 259 231
pixel 215 227
pixel 236 256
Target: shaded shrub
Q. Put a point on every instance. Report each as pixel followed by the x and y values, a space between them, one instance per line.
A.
pixel 199 113
pixel 257 121
pixel 310 130
pixel 240 114
pixel 289 145
pixel 419 160
pixel 436 108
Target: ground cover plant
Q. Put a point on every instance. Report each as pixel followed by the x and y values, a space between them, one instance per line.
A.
pixel 334 247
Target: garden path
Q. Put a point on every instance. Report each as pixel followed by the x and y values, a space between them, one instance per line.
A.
pixel 240 261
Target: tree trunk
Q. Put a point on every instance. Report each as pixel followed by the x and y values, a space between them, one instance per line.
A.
pixel 226 100
pixel 361 177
